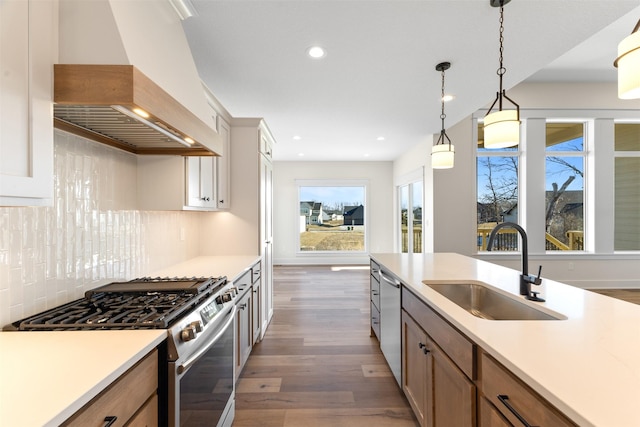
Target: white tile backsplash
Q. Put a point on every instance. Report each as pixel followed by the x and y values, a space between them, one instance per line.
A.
pixel 92 234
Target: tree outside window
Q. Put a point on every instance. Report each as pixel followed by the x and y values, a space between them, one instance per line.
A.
pixel 564 186
pixel 497 194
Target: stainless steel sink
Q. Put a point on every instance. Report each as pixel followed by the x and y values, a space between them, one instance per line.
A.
pixel 486 303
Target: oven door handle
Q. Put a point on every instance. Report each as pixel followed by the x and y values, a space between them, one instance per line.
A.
pixel 194 358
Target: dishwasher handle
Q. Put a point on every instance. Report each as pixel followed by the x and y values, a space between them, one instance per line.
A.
pixel 389 280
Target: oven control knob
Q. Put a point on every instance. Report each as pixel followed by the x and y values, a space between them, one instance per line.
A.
pixel 197 325
pixel 188 333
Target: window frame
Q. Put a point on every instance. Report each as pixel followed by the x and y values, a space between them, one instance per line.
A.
pixel 598 180
pixel 364 183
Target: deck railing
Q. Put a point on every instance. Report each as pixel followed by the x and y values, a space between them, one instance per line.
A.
pixel 507 240
pixel 417 241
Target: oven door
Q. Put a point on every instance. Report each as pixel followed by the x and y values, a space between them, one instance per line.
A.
pixel 201 384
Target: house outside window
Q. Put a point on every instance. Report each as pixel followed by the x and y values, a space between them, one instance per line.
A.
pixel 332 217
pixel 497 186
pixel 576 187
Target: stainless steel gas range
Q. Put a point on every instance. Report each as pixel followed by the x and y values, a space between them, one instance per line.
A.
pixel 197 368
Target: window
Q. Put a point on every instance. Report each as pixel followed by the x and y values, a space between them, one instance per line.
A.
pixel 497 194
pixel 332 217
pixel 411 217
pixel 573 183
pixel 564 186
pixel 627 187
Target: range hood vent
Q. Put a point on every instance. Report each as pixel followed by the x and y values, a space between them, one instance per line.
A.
pixel 100 102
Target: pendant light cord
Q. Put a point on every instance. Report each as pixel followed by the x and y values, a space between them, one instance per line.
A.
pixel 501 70
pixel 442 114
pixel 502 93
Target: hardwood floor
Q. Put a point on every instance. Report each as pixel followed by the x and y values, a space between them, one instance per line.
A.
pixel 317 365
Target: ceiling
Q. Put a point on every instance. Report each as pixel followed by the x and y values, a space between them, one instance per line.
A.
pixel 376 93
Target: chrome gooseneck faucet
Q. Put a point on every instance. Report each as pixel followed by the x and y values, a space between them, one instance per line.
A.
pixel 525 279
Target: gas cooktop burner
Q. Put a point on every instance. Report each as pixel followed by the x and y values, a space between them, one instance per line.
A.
pixel 144 303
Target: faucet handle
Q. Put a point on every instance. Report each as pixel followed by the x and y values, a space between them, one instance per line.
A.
pixel 537 280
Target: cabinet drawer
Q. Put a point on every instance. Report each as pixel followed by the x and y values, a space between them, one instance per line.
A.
pixel 255 273
pixel 147 415
pixel 453 343
pixel 374 269
pixel 244 281
pixel 375 320
pixel 511 396
pixel 375 293
pixel 490 416
pixel 123 398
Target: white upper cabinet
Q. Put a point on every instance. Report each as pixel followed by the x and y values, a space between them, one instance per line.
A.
pixel 28 50
pixel 222 167
pixel 200 182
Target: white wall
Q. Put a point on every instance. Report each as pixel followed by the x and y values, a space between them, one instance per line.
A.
pixel 286 210
pixel 454 209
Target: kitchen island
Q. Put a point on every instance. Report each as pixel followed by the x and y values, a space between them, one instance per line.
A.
pixel 585 365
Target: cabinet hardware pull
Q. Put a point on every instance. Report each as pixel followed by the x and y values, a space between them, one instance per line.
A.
pixel 109 420
pixel 221 201
pixel 424 348
pixel 504 398
pixel 390 281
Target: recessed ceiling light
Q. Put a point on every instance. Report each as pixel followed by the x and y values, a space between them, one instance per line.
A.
pixel 316 52
pixel 366 155
pixel 380 138
pixel 301 154
pixel 448 98
pixel 296 138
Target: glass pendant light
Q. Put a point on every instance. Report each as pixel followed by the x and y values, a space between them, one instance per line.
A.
pixel 501 128
pixel 442 153
pixel 628 64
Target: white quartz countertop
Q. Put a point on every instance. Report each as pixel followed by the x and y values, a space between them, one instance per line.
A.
pixel 588 365
pixel 45 377
pixel 232 266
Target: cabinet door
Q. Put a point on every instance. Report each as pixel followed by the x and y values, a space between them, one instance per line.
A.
pixel 256 277
pixel 414 367
pixel 200 182
pixel 453 395
pixel 28 49
pixel 244 342
pixel 266 239
pixel 222 166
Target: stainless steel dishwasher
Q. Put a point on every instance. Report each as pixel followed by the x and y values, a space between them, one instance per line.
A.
pixel 390 323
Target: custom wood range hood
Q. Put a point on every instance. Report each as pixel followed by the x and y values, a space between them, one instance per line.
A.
pixel 108 103
pixel 125 77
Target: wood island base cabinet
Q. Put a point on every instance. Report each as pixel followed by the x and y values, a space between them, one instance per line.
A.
pixel 450 381
pixel 439 391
